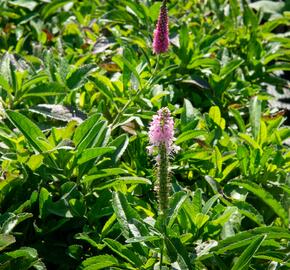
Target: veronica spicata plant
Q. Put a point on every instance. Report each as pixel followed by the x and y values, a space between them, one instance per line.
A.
pixel 161 32
pixel 161 139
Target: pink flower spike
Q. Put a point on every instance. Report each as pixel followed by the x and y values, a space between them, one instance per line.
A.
pixel 161 138
pixel 161 131
pixel 161 32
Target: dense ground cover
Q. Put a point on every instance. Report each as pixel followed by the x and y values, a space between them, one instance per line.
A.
pixel 79 85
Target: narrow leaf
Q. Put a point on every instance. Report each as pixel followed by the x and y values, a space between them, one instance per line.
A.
pixel 190 134
pixel 230 67
pixel 132 180
pixel 243 261
pixel 30 131
pixel 255 116
pixel 123 251
pixel 265 196
pixel 92 153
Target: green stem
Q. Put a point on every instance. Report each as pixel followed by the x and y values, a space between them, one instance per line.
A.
pixel 161 254
pixel 163 192
pixel 163 180
pixel 136 95
pixel 125 107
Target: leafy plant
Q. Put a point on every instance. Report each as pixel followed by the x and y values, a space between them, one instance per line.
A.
pixel 79 85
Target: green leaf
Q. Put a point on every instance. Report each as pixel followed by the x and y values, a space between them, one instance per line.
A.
pixel 284 133
pixel 267 6
pixel 24 258
pixel 275 256
pixel 244 260
pixel 77 207
pixel 197 201
pixel 215 114
pixel 93 153
pixel 129 180
pixel 6 240
pixel 122 61
pixel 34 80
pixel 85 237
pixel 120 143
pixel 77 77
pixel 102 174
pixel 243 156
pixel 29 4
pixel 245 238
pixel 177 253
pixel 210 203
pixel 199 155
pixel 12 221
pixel 103 84
pixel 217 159
pixel 249 140
pixel 171 250
pixel 188 112
pixel 5 84
pixel 58 112
pixel 99 262
pixel 45 90
pixel 7 70
pixel 90 134
pixel 125 213
pixel 230 67
pixel 44 200
pixel 249 211
pixel 53 6
pixel 239 119
pixel 183 41
pixel 255 116
pixel 265 196
pixel 225 216
pixel 83 129
pixel 156 99
pixel 200 220
pixel 227 170
pixel 62 208
pixel 193 210
pixel 203 63
pixel 123 251
pixel 75 251
pixel 190 134
pixel 139 239
pixel 269 26
pixel 175 205
pixel 30 131
pixel 35 161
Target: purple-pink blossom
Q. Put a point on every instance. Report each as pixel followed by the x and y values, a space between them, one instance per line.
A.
pixel 161 33
pixel 161 132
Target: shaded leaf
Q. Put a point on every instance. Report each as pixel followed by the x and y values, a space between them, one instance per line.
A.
pixel 265 196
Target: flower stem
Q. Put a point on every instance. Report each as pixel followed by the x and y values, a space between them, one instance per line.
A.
pixel 161 255
pixel 163 179
pixel 136 95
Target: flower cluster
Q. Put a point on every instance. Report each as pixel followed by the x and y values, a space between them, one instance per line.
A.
pixel 161 33
pixel 161 132
pixel 161 139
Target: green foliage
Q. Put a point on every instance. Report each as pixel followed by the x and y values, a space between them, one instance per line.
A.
pixel 78 87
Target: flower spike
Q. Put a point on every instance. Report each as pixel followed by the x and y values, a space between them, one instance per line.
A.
pixel 161 32
pixel 161 138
